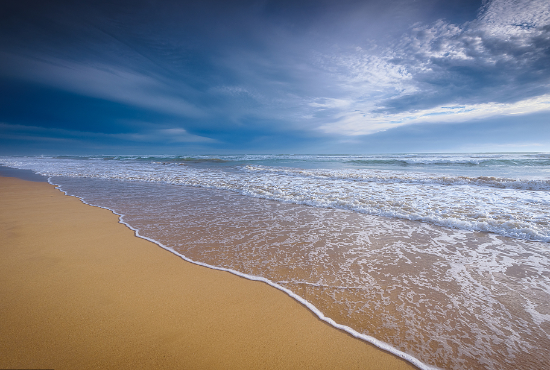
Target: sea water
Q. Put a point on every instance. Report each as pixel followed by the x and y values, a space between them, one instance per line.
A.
pixel 444 257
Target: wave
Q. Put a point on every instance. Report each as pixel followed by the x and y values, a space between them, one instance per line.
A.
pixel 509 207
pixel 482 160
pixel 468 162
pixel 409 177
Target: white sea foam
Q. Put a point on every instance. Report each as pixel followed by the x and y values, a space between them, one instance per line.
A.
pixel 381 176
pixel 515 207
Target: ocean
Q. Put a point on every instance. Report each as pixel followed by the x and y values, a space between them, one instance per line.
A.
pixel 443 259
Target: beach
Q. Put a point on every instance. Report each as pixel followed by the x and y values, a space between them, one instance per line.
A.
pixel 79 290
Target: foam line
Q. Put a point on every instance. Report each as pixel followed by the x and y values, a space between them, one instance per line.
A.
pixel 382 345
pixel 510 207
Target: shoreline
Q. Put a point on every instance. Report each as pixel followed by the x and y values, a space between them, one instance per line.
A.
pixel 81 290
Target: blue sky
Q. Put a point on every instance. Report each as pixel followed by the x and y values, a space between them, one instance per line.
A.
pixel 176 77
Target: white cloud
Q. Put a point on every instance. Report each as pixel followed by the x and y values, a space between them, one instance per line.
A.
pixel 358 124
pixel 330 103
pixel 178 135
pixel 416 80
pixel 102 81
pixel 511 17
pixel 150 135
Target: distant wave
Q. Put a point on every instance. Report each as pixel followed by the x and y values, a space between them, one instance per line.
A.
pixel 411 178
pixel 450 162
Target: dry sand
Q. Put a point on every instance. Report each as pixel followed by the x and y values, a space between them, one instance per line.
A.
pixel 78 290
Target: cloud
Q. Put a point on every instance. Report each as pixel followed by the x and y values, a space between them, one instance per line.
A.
pixel 503 56
pixel 105 82
pixel 442 114
pixel 231 75
pixel 496 64
pixel 151 135
pixel 529 132
pixel 175 135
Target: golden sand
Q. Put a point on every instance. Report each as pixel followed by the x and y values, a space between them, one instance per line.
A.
pixel 79 291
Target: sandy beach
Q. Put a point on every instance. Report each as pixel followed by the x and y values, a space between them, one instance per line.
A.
pixel 79 290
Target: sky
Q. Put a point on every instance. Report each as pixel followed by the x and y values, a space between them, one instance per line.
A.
pixel 262 76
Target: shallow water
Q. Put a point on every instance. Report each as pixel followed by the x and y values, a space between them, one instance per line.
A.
pixel 453 298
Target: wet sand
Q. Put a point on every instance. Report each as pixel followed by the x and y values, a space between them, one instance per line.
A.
pixel 79 290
